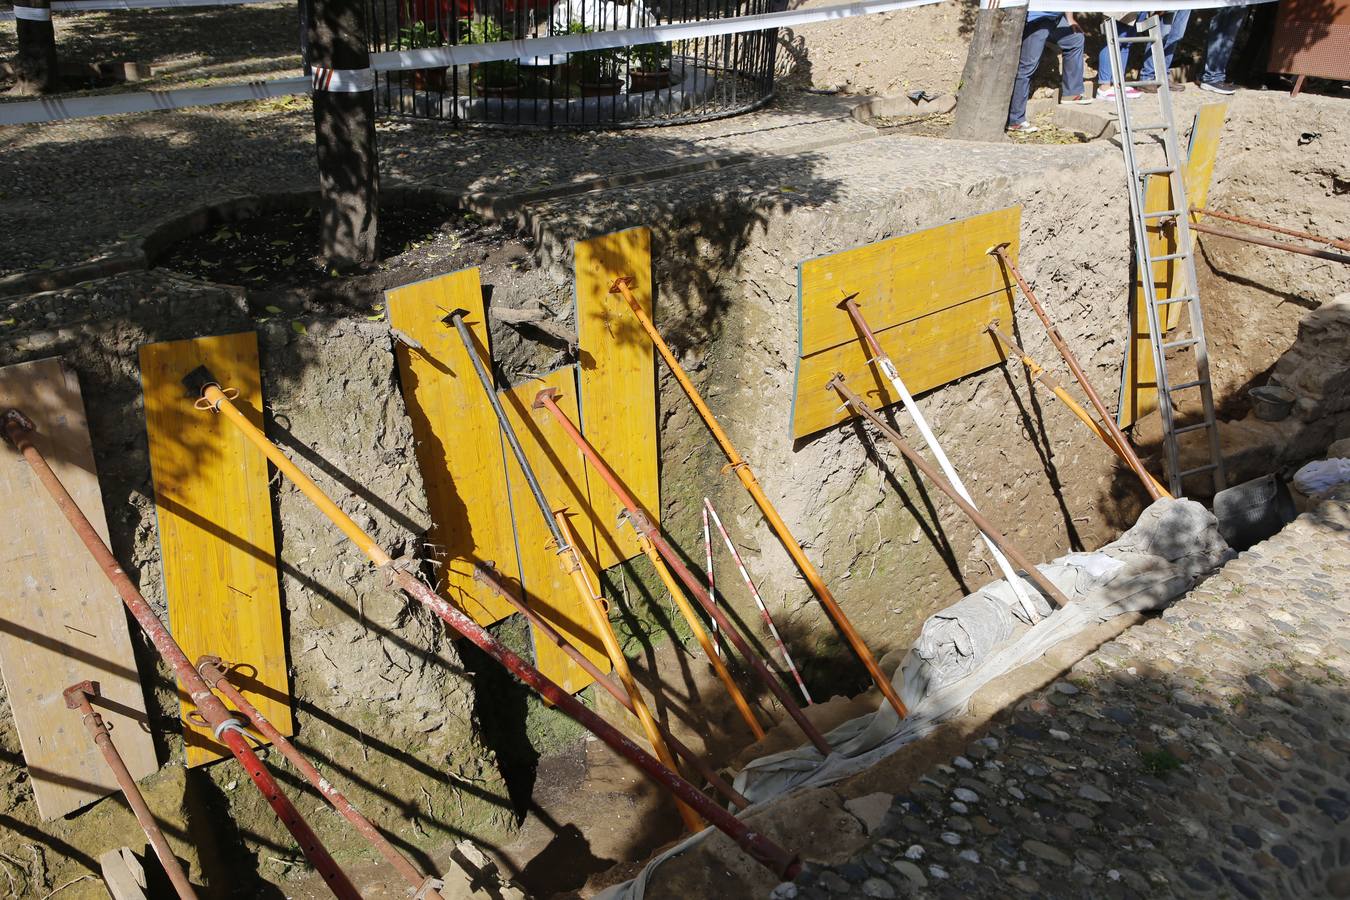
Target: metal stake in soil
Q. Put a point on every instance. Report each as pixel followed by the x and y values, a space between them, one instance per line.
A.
pixel 1038 373
pixel 778 860
pixel 883 361
pixel 747 478
pixel 545 399
pixel 212 670
pixel 19 429
pixel 77 698
pixel 484 575
pixel 1316 252
pixel 861 407
pixel 1135 463
pixel 1258 223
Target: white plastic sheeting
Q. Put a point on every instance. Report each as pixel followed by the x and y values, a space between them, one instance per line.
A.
pixel 1172 545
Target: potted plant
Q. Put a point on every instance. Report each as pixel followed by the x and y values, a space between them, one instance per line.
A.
pixel 499 77
pixel 650 68
pixel 417 35
pixel 597 70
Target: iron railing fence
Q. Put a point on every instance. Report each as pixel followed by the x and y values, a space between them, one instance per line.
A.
pixel 649 84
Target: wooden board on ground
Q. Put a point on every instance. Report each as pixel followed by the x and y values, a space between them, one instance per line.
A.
pixel 459 447
pixel 123 874
pixel 618 378
pixel 1139 388
pixel 561 471
pixel 61 621
pixel 215 524
pixel 927 296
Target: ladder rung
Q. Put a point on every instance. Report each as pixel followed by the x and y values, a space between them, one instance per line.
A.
pixel 1156 126
pixel 1161 170
pixel 1163 214
pixel 1185 298
pixel 1135 84
pixel 1186 384
pixel 1197 470
pixel 1168 257
pixel 1199 426
pixel 1141 39
pixel 1178 344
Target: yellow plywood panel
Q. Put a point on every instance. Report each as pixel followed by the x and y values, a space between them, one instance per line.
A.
pixel 1204 150
pixel 61 621
pixel 618 377
pixel 561 471
pixel 927 295
pixel 215 523
pixel 929 352
pixel 1139 394
pixel 903 278
pixel 459 447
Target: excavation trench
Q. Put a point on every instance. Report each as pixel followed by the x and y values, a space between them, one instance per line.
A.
pixel 436 744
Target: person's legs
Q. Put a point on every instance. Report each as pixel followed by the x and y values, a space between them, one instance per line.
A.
pixel 1223 29
pixel 1070 44
pixel 1173 31
pixel 1033 44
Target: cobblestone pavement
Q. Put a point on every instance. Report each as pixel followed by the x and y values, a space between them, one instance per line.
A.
pixel 1205 753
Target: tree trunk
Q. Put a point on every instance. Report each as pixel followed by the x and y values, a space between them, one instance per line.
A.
pixel 987 80
pixel 344 133
pixel 35 68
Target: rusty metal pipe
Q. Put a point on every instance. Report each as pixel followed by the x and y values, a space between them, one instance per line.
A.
pixel 737 464
pixel 644 526
pixel 212 670
pixel 19 429
pixel 487 577
pixel 77 698
pixel 779 860
pixel 1258 223
pixel 1038 373
pixel 860 406
pixel 1131 457
pixel 1274 245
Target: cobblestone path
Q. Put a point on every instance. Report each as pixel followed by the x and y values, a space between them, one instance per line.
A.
pixel 1205 753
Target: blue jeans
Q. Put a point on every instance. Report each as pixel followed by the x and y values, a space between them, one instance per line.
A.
pixel 1034 38
pixel 1223 29
pixel 1175 30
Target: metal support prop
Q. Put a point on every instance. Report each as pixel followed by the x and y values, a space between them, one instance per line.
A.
pixel 644 526
pixel 754 592
pixel 712 577
pixel 861 407
pixel 882 360
pixel 77 698
pixel 1274 245
pixel 19 429
pixel 485 575
pixel 1258 223
pixel 1071 361
pixel 213 672
pixel 1038 373
pixel 747 478
pixel 600 622
pixel 778 860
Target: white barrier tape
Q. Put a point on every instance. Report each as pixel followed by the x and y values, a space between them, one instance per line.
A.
pixel 32 13
pixel 344 81
pixel 79 6
pixel 464 54
pixel 56 109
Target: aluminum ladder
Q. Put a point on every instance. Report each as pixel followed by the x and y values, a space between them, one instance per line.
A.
pixel 1150 31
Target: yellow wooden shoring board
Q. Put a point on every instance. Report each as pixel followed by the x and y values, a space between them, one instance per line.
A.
pixel 458 447
pixel 618 378
pixel 61 622
pixel 1204 151
pixel 928 296
pixel 215 524
pixel 561 471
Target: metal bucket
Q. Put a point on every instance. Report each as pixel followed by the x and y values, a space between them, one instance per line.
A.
pixel 1271 403
pixel 1253 511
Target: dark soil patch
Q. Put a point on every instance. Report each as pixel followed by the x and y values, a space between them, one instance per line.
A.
pixel 279 249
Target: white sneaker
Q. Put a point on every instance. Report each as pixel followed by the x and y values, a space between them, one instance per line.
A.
pixel 1024 128
pixel 1108 92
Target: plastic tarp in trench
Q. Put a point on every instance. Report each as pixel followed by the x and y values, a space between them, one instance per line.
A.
pixel 965 646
